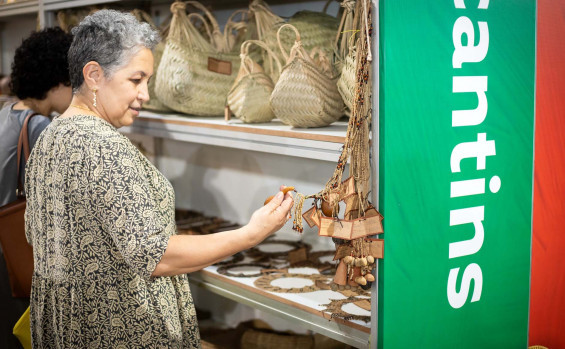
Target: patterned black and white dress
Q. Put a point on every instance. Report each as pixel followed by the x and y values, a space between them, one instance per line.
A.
pixel 99 217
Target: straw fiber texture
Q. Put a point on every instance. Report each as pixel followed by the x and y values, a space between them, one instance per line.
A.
pixel 154 103
pixel 305 95
pixel 345 53
pixel 347 82
pixel 316 29
pixel 183 82
pixel 249 97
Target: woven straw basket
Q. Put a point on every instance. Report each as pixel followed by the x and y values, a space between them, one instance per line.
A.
pixel 345 54
pixel 347 81
pixel 249 97
pixel 316 29
pixel 196 73
pixel 304 95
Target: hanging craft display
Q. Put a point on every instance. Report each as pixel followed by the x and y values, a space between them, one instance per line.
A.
pixel 360 219
pixel 265 282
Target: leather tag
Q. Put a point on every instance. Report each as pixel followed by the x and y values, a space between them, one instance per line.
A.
pixel 219 66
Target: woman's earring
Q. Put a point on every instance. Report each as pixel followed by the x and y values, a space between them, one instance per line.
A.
pixel 94 97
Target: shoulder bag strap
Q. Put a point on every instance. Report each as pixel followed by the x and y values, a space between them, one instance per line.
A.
pixel 23 145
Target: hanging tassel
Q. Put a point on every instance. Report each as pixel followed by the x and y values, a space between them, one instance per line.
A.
pixel 297 212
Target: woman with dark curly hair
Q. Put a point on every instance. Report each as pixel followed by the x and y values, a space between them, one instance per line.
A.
pixel 40 79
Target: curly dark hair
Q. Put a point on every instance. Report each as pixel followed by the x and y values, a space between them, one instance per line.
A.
pixel 40 63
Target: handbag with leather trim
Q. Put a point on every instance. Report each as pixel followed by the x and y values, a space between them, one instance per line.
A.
pixel 17 252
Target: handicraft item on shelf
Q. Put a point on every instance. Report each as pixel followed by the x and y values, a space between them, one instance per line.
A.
pixel 256 269
pixel 249 96
pixel 195 223
pixel 306 93
pixel 265 282
pixel 317 29
pixel 336 308
pixel 355 251
pixel 345 53
pixel 197 70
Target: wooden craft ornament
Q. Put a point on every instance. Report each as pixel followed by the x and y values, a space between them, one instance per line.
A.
pixel 285 190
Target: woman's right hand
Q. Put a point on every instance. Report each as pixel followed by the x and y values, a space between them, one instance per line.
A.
pixel 270 218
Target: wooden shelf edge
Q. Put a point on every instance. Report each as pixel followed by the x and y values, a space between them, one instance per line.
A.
pixel 247 129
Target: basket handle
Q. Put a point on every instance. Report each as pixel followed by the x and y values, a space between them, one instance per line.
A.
pixel 181 28
pixel 347 27
pixel 297 40
pixel 218 40
pixel 198 16
pixel 325 9
pixel 245 53
pixel 265 19
pixel 232 25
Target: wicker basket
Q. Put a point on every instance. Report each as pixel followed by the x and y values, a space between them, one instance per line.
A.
pixel 345 54
pixel 305 95
pixel 249 97
pixel 196 73
pixel 316 29
pixel 347 82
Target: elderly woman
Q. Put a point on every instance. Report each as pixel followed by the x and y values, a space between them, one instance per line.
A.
pixel 110 270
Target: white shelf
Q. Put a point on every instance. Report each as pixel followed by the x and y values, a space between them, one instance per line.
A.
pixel 19 8
pixel 348 332
pixel 303 309
pixel 321 143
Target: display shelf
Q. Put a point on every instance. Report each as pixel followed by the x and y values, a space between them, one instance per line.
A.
pixel 55 5
pixel 303 309
pixel 19 8
pixel 320 143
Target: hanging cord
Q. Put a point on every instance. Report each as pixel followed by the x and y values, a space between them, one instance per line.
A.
pixel 368 37
pixel 356 145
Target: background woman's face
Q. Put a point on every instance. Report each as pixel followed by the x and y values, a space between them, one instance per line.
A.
pixel 119 98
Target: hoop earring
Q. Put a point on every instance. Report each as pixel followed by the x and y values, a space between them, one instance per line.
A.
pixel 94 97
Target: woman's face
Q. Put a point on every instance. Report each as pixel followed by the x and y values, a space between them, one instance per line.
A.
pixel 119 97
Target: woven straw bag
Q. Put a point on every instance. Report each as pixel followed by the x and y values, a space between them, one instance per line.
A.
pixel 345 54
pixel 249 96
pixel 305 95
pixel 196 72
pixel 316 29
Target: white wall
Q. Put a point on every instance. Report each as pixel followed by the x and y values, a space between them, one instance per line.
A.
pixel 12 32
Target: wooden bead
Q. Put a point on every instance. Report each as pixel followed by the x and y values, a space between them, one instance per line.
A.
pixel 370 259
pixel 361 280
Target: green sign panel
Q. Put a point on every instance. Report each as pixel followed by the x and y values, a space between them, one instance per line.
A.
pixel 456 172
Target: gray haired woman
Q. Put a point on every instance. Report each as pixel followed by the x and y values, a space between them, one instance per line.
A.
pixel 110 270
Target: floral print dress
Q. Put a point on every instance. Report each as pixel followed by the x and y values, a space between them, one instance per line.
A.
pixel 99 217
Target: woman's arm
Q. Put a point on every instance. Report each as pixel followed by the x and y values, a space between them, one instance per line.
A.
pixel 188 253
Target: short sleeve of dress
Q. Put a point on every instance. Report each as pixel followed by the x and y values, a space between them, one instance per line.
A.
pixel 123 204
